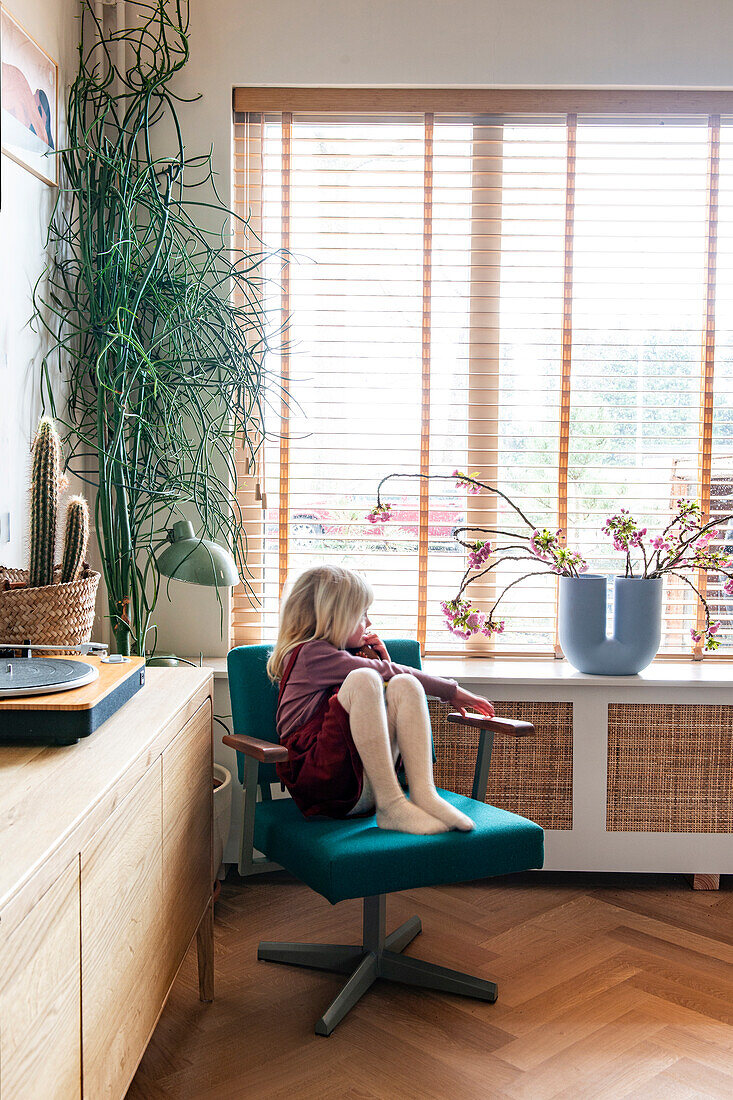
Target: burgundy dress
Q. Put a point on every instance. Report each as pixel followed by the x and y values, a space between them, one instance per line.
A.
pixel 323 772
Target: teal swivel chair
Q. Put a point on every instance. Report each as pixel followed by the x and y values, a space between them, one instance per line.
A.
pixel 352 858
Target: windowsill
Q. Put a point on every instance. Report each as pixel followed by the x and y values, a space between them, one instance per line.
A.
pixel 547 672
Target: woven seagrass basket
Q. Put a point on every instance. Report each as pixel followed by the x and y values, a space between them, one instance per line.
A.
pixel 55 614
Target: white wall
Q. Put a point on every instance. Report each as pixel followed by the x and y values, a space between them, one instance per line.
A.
pixel 462 42
pixel 24 216
pixel 444 43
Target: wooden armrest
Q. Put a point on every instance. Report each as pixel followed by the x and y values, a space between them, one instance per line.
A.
pixel 265 751
pixel 510 726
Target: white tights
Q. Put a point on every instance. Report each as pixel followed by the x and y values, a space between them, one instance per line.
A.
pixel 381 732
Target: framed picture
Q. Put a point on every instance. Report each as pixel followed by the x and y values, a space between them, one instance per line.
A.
pixel 29 98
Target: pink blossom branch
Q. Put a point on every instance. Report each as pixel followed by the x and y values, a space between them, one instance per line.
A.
pixel 545 551
pixel 699 595
pixel 519 580
pixel 507 557
pixel 674 557
pixel 452 477
pixel 487 531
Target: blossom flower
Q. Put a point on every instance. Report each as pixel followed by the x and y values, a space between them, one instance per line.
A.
pixel 546 546
pixel 702 542
pixel 542 543
pixel 660 543
pixel 480 553
pixel 728 586
pixel 688 513
pixel 622 526
pixel 708 636
pixel 467 481
pixel 569 562
pixel 461 619
pixel 706 557
pixel 380 513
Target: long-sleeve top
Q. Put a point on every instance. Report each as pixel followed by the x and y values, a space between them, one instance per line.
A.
pixel 320 667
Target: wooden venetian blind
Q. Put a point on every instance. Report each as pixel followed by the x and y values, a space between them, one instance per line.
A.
pixel 523 296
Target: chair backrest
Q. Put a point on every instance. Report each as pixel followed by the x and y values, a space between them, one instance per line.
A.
pixel 254 696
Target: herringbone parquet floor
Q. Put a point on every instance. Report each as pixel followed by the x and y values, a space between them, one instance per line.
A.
pixel 609 986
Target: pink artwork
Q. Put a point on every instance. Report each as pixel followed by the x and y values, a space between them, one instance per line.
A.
pixel 29 101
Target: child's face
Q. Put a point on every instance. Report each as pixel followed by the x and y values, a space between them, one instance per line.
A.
pixel 356 638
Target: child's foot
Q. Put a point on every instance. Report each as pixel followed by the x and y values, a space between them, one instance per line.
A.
pixel 406 817
pixel 437 807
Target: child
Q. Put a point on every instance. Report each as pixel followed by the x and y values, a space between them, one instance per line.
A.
pixel 343 727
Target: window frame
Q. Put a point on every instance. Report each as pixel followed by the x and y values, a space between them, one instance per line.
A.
pixel 495 107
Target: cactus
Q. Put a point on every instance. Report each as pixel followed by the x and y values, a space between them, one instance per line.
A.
pixel 76 537
pixel 45 478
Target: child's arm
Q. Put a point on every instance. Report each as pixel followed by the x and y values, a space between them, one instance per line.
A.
pixel 325 666
pixel 463 699
pixel 373 648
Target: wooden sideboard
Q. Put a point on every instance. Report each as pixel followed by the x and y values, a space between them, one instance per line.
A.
pixel 105 877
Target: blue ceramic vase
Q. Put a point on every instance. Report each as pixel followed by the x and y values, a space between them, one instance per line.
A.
pixel 637 623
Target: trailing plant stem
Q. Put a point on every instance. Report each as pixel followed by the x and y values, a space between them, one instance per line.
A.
pixel 158 327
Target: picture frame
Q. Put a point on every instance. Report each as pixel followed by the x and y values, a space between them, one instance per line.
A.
pixel 28 101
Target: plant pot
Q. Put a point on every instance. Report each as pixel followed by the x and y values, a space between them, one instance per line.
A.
pixel 222 813
pixel 57 614
pixel 637 623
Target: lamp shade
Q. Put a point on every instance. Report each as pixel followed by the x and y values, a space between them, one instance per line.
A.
pixel 196 561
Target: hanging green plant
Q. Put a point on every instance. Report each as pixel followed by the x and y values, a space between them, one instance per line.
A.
pixel 157 327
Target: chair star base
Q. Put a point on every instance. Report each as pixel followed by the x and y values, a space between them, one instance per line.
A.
pixel 378 957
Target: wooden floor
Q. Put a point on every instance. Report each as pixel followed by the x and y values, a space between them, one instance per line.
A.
pixel 609 986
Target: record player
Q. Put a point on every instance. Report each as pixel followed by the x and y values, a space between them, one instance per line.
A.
pixel 58 699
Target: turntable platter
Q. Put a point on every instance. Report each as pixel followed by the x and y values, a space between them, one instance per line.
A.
pixel 42 675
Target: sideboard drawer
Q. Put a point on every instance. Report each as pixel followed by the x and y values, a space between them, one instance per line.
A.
pixel 123 968
pixel 187 820
pixel 40 1042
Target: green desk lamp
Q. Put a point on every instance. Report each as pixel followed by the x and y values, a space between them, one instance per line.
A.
pixel 195 561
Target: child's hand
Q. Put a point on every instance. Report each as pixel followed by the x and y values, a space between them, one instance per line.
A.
pixel 375 642
pixel 463 699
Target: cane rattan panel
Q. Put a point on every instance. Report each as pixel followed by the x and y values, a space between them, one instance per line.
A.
pixel 532 776
pixel 670 768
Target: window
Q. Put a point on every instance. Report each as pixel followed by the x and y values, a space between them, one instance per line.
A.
pixel 545 299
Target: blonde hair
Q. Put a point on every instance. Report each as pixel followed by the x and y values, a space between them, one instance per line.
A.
pixel 325 602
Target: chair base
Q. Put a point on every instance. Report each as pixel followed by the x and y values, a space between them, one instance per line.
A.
pixel 378 957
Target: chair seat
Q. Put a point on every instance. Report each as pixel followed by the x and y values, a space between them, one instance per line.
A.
pixel 352 858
